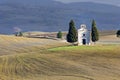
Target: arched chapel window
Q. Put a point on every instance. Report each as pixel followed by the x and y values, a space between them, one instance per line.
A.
pixel 83 35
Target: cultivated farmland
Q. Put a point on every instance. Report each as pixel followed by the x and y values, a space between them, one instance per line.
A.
pixel 46 59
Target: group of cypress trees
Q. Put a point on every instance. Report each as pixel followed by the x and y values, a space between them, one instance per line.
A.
pixel 72 35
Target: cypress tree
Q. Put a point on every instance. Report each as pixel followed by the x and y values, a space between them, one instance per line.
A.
pixel 72 33
pixel 59 34
pixel 118 33
pixel 94 32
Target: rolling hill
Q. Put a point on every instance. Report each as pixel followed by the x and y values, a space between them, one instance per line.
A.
pixel 49 15
pixel 43 59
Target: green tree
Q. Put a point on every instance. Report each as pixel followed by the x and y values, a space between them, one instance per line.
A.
pixel 94 32
pixel 16 33
pixel 59 34
pixel 72 33
pixel 20 34
pixel 118 33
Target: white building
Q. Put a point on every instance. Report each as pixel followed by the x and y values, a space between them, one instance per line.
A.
pixel 83 35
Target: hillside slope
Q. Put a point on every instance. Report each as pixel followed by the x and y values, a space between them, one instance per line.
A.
pixel 16 45
pixel 42 59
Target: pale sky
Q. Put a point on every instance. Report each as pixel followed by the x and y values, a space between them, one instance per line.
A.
pixel 113 2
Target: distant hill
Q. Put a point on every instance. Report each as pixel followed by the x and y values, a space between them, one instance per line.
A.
pixel 49 15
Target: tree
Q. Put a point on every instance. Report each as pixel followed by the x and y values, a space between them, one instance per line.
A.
pixel 72 33
pixel 94 32
pixel 118 33
pixel 20 34
pixel 59 34
pixel 18 31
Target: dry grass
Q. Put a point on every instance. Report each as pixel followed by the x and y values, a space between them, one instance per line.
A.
pixel 109 39
pixel 96 62
pixel 13 45
pixel 42 59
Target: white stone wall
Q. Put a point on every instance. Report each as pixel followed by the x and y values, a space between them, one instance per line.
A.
pixel 83 33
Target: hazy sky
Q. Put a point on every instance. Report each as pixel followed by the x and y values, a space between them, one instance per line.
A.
pixel 113 2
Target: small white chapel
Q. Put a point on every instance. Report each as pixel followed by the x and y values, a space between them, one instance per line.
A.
pixel 83 35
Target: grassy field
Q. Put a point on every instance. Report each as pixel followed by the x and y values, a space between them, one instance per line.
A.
pixel 45 59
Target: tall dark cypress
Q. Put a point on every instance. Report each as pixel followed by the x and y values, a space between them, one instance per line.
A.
pixel 94 32
pixel 72 33
pixel 118 33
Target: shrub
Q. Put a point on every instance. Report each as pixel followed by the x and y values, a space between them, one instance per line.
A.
pixel 59 34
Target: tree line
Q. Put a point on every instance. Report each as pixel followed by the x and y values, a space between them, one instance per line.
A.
pixel 72 35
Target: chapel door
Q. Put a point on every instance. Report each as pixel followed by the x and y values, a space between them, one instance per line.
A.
pixel 84 41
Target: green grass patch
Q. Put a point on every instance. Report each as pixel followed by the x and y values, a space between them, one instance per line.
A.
pixel 87 49
pixel 70 48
